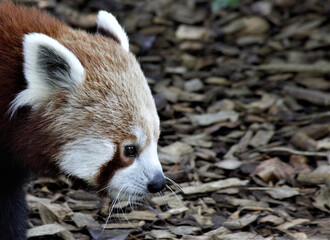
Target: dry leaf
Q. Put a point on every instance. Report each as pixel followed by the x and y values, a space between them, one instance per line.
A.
pixel 293 223
pixel 241 222
pixel 211 118
pixel 213 186
pixel 161 234
pixel 273 169
pixel 283 192
pixel 322 199
pixel 184 230
pixel 45 230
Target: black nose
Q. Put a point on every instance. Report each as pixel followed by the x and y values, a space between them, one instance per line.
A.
pixel 157 184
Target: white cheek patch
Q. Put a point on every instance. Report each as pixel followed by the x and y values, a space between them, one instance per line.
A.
pixel 84 157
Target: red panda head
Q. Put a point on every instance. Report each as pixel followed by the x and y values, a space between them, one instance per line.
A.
pixel 91 97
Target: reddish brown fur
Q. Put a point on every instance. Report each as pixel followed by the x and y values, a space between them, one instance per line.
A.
pixel 109 169
pixel 15 21
pixel 113 77
pixel 73 129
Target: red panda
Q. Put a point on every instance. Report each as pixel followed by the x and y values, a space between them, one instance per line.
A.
pixel 74 103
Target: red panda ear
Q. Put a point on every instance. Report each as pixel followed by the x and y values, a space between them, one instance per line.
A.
pixel 48 66
pixel 108 26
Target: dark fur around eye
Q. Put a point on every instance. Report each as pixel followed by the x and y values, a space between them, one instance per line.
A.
pixel 130 151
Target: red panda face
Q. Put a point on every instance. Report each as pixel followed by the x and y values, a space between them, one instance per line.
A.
pixel 98 106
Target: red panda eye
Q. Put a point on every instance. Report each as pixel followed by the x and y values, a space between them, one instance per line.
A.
pixel 130 151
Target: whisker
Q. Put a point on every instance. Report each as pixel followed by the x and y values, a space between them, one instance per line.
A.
pixel 111 209
pixel 133 200
pixel 175 194
pixel 127 203
pixel 102 189
pixel 151 209
pixel 126 216
pixel 117 214
pixel 135 203
pixel 108 218
pixel 130 201
pixel 164 201
pixel 175 184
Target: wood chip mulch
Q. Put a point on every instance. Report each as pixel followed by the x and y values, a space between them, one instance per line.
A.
pixel 243 97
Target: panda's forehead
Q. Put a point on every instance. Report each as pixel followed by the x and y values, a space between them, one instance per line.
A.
pixel 140 134
pixel 145 133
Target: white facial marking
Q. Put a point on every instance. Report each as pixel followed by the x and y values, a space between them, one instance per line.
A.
pixel 149 160
pixel 140 135
pixel 84 157
pixel 39 86
pixel 109 23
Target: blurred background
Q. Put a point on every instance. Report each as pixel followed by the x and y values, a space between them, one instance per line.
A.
pixel 242 88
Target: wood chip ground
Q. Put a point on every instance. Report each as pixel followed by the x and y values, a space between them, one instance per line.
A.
pixel 243 97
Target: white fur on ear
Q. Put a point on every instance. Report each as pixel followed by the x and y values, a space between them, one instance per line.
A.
pixel 107 22
pixel 47 65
